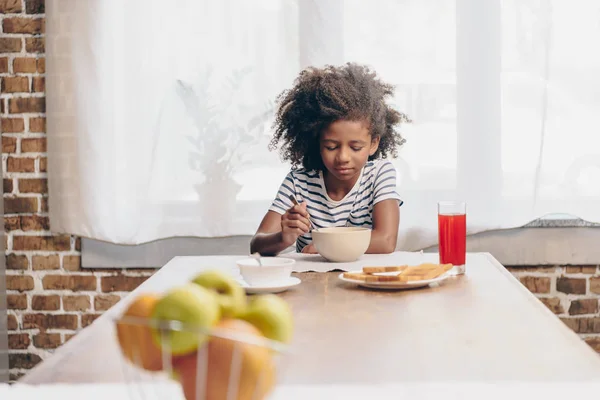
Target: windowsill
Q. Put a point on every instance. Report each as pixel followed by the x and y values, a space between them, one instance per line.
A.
pixel 543 242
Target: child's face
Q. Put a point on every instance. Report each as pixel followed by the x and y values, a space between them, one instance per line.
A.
pixel 345 148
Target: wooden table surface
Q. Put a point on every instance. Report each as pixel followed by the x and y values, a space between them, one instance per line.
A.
pixel 483 326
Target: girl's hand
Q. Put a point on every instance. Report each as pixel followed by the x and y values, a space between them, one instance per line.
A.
pixel 310 249
pixel 294 223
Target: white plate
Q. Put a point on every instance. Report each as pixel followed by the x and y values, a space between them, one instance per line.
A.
pixel 273 288
pixel 394 285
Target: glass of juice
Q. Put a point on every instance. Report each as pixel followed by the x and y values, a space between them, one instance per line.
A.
pixel 452 234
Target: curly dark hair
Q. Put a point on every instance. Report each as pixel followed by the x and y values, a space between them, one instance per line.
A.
pixel 321 96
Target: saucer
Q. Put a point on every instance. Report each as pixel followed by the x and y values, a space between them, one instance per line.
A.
pixel 276 287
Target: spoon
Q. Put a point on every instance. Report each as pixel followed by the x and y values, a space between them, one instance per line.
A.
pixel 256 256
pixel 293 199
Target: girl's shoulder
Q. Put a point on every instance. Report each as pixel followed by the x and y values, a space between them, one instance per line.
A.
pixel 375 168
pixel 303 174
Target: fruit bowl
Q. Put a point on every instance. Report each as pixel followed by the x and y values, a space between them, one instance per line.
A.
pixel 231 361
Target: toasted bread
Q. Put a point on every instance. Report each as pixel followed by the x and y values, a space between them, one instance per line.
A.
pixel 380 269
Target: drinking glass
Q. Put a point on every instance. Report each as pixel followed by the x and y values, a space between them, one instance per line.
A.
pixel 452 234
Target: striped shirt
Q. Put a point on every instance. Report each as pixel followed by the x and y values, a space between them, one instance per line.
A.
pixel 377 182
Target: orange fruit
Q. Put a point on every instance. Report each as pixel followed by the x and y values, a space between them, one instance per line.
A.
pixel 256 372
pixel 135 340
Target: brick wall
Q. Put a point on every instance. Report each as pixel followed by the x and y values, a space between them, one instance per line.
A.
pixel 50 297
pixel 570 292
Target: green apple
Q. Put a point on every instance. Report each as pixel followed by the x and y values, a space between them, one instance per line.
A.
pixel 271 315
pixel 194 306
pixel 230 294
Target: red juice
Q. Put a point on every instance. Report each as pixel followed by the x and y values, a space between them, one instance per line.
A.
pixel 452 231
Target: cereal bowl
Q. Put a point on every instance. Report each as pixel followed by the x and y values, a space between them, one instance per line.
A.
pixel 341 244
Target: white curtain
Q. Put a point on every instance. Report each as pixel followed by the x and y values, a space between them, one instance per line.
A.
pixel 159 113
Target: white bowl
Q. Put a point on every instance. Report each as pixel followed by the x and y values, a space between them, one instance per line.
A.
pixel 273 270
pixel 341 244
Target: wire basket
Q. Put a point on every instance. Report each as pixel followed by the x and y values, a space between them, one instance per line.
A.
pixel 227 365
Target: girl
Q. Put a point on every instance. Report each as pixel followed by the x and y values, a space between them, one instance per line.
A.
pixel 336 125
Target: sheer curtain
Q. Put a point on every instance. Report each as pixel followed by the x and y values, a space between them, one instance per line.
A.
pixel 159 116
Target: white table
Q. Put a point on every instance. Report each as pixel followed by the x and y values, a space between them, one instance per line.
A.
pixel 480 327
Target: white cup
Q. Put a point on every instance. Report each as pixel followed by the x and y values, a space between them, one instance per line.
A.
pixel 273 271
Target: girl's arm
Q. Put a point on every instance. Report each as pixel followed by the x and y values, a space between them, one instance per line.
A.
pixel 386 220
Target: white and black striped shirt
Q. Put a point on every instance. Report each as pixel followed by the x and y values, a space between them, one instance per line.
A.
pixel 377 182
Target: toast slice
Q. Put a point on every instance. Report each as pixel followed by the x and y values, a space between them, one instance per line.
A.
pixel 382 269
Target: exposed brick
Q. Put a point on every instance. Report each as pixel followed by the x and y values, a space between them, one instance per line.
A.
pixel 595 284
pixel 72 263
pixel 7 185
pixel 15 84
pixel 20 164
pixel 3 64
pixel 570 285
pixel 16 261
pixel 18 341
pixel 13 125
pixel 27 105
pixel 9 144
pixel 581 270
pixel 53 243
pixel 104 302
pixel 37 145
pixel 44 204
pixel 583 325
pixel 33 26
pixel 16 301
pixel 536 284
pixel 25 65
pixel 87 319
pixel 33 185
pixel 78 244
pixel 41 65
pixel 69 336
pixel 45 262
pixel 34 7
pixel 572 323
pixel 17 205
pixel 76 303
pixel 74 283
pixel 546 269
pixel 583 306
pixel 12 223
pixel 38 84
pixel 34 45
pixel 35 223
pixel 10 45
pixel 49 321
pixel 47 340
pixel 43 164
pixel 15 376
pixel 19 282
pixel 10 6
pixel 121 283
pixel 12 323
pixel 37 124
pixel 23 360
pixel 46 303
pixel 594 343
